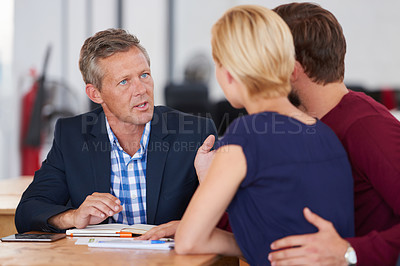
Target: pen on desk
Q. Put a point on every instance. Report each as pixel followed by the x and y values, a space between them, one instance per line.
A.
pixel 117 234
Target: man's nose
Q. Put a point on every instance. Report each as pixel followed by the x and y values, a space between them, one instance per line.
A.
pixel 139 88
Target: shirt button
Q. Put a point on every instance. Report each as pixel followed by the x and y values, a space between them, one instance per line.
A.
pixel 130 166
pixel 134 196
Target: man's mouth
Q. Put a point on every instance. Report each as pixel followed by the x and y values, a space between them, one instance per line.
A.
pixel 141 105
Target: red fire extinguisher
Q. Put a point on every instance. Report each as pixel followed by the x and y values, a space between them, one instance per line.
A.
pixel 29 154
pixel 31 126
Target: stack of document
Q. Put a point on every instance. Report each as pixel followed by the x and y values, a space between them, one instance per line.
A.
pixel 116 230
pixel 118 236
pixel 132 243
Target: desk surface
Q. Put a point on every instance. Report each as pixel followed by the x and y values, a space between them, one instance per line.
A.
pixel 15 186
pixel 65 252
pixel 10 193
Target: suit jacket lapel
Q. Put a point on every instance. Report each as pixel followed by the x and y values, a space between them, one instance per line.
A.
pixel 100 154
pixel 157 152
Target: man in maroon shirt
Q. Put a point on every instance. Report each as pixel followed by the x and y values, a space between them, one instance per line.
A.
pixel 369 133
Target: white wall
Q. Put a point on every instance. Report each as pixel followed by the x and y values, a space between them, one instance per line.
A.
pixel 8 102
pixel 373 40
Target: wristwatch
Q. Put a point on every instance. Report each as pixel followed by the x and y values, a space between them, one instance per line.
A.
pixel 350 256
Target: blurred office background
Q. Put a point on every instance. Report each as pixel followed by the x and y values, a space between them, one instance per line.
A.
pixel 45 36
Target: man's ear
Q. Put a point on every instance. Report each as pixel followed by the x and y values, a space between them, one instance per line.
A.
pixel 298 69
pixel 93 93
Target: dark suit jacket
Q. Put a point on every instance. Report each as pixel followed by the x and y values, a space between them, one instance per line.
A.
pixel 78 164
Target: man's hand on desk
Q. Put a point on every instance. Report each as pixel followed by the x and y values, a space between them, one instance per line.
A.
pixel 95 209
pixel 325 247
pixel 204 157
pixel 163 230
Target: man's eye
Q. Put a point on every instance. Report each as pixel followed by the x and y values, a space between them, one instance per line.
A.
pixel 123 82
pixel 144 75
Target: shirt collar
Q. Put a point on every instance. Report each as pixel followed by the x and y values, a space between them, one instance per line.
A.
pixel 143 141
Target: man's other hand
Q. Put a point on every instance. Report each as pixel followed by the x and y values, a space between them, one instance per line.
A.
pixel 325 247
pixel 95 209
pixel 204 157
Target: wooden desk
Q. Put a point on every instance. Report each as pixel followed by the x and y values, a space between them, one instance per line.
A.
pixel 10 194
pixel 65 252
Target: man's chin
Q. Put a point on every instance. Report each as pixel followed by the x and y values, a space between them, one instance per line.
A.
pixel 141 119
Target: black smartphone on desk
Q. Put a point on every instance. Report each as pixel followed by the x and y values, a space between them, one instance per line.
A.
pixel 33 237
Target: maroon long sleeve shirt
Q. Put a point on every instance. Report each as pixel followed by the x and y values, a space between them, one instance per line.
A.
pixel 371 137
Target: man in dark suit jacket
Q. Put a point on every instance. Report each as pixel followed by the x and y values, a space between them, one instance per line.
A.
pixel 73 188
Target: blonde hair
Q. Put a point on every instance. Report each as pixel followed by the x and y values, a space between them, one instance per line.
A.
pixel 255 45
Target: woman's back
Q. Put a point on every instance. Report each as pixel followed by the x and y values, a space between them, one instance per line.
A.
pixel 281 165
pixel 290 165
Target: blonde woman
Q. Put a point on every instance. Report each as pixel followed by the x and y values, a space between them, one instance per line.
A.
pixel 272 163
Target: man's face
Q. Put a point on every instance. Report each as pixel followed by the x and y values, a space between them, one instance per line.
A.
pixel 127 87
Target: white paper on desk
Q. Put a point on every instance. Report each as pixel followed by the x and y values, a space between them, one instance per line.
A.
pixel 131 243
pixel 87 240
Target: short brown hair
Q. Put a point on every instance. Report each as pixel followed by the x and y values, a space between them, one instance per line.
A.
pixel 255 45
pixel 101 45
pixel 318 39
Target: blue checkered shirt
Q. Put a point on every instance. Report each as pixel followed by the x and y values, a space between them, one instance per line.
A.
pixel 128 179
